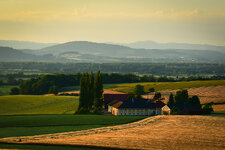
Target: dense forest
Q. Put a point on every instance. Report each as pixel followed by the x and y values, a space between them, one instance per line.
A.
pixel 169 69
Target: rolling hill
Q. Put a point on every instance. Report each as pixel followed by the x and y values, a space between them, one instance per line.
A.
pixel 32 104
pixel 8 54
pixel 186 46
pixel 159 132
pixel 83 51
pixel 117 53
pixel 24 44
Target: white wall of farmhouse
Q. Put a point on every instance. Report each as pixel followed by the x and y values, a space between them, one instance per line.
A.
pixel 133 111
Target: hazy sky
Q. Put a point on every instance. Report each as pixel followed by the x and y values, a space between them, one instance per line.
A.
pixel 187 21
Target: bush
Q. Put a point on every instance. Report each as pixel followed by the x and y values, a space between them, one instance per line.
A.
pixel 175 111
pixel 14 91
pixel 139 90
pixel 157 95
pixel 151 90
pixel 207 109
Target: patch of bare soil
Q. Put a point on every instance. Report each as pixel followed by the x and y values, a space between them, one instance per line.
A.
pixel 160 132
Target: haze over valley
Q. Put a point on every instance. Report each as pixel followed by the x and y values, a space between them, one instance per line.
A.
pixel 84 51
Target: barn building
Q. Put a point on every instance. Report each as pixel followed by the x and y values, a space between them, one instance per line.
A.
pixel 135 106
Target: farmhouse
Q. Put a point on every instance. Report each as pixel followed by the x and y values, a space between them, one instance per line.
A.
pixel 136 107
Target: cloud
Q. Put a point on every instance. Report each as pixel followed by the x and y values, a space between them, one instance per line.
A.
pixel 163 14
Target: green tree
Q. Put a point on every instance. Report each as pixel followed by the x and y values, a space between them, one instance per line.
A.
pixel 151 90
pixel 175 111
pixel 181 97
pixel 207 109
pixel 90 91
pixel 194 100
pixel 53 89
pixel 171 99
pixel 139 90
pixel 157 95
pixel 83 95
pixel 98 91
pixel 14 91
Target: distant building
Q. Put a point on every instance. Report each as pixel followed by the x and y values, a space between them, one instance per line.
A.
pixel 135 107
pixel 165 110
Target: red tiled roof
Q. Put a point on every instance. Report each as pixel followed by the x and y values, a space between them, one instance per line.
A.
pixel 159 104
pixel 111 97
pixel 117 105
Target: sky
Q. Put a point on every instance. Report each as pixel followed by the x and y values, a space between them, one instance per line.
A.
pixel 119 21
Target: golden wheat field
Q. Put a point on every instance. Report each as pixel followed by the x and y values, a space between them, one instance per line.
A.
pixel 160 132
pixel 206 94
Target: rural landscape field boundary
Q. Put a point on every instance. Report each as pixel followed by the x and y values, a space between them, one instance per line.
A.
pixel 24 139
pixel 174 132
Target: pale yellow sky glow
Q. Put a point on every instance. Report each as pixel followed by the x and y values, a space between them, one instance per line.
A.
pixel 193 21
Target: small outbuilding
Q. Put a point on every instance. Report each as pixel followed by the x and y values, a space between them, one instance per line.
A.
pixel 165 110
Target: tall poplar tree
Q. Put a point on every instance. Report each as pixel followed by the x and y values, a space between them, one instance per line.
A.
pixel 98 90
pixel 171 99
pixel 84 100
pixel 91 91
pixel 181 97
pixel 82 94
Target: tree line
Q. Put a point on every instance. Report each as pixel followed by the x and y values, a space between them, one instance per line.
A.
pixel 170 69
pixel 181 98
pixel 52 83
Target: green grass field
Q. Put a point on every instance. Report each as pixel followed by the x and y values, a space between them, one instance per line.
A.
pixel 32 104
pixel 34 115
pixel 25 125
pixel 129 87
pixel 4 90
pixel 40 147
pixel 77 88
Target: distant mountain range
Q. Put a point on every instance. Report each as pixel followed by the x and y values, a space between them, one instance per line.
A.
pixel 84 51
pixel 8 54
pixel 155 45
pixel 24 44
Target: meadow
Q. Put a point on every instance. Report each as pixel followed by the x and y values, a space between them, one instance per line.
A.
pixel 26 125
pixel 39 147
pixel 33 104
pixel 4 90
pixel 24 115
pixel 158 86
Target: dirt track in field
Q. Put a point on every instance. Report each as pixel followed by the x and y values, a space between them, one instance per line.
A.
pixel 160 132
